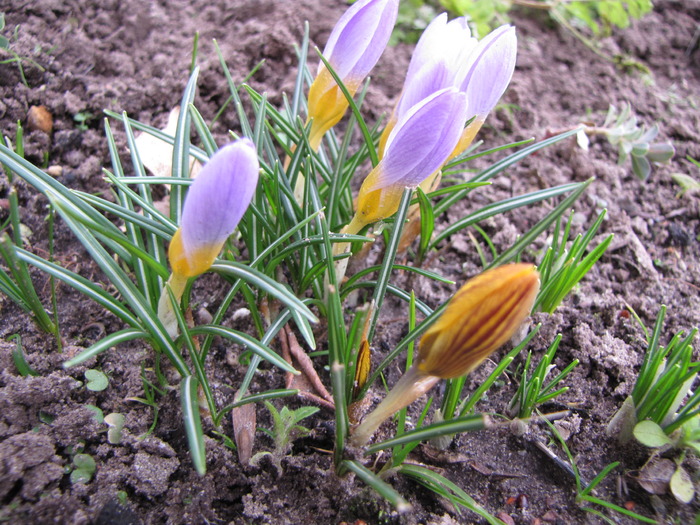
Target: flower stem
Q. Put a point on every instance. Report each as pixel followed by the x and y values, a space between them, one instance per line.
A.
pixel 166 312
pixel 410 387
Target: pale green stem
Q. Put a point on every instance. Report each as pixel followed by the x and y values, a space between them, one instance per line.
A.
pixel 410 387
pixel 166 312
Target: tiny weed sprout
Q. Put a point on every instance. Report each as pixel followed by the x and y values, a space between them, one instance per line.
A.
pixel 482 316
pixel 285 429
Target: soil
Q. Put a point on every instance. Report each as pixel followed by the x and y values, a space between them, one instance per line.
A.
pixel 135 56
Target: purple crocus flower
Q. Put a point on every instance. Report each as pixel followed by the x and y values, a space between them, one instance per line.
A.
pixel 447 55
pixel 418 146
pixel 353 48
pixel 437 61
pixel 489 71
pixel 215 203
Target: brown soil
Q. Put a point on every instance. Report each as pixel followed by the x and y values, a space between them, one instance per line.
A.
pixel 135 56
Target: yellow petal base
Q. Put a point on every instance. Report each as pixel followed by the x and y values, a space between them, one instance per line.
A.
pixel 197 263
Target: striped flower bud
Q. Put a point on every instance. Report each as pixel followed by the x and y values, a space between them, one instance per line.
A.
pixel 215 203
pixel 353 48
pixel 480 317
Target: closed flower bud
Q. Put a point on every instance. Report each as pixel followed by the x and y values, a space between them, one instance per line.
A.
pixel 215 203
pixel 417 147
pixel 437 62
pixel 482 316
pixel 353 48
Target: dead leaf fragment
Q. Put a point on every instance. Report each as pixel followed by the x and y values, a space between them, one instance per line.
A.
pixel 157 155
pixel 656 475
pixel 244 420
pixel 39 118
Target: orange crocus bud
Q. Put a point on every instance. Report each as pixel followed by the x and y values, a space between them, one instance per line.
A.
pixel 481 316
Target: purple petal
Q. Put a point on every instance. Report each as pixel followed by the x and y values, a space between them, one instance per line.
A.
pixel 220 195
pixel 359 38
pixel 437 61
pixel 489 74
pixel 423 139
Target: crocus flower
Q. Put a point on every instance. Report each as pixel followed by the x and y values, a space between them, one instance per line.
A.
pixel 215 203
pixel 480 317
pixel 437 63
pixel 448 56
pixel 353 48
pixel 418 146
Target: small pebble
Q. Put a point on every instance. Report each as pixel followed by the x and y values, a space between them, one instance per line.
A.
pixel 55 170
pixel 39 118
pixel 505 518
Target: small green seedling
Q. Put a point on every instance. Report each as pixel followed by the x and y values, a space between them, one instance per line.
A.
pixel 285 429
pixel 84 467
pixel 115 421
pixel 97 381
pixel 633 141
pixel 14 57
pixel 533 390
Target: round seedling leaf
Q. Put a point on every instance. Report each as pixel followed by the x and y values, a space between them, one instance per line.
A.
pixel 96 381
pixel 682 485
pixel 650 434
pixel 116 424
pixel 97 413
pixel 84 468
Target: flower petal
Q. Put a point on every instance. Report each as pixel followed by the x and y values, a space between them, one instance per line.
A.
pixel 490 70
pixel 423 139
pixel 359 38
pixel 436 62
pixel 217 200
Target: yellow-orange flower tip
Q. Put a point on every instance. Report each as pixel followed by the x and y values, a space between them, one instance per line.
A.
pixel 481 317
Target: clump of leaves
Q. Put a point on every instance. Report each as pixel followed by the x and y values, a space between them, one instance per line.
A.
pixel 663 412
pixel 687 183
pixel 632 140
pixel 285 429
pixel 414 16
pixel 533 389
pixel 598 16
